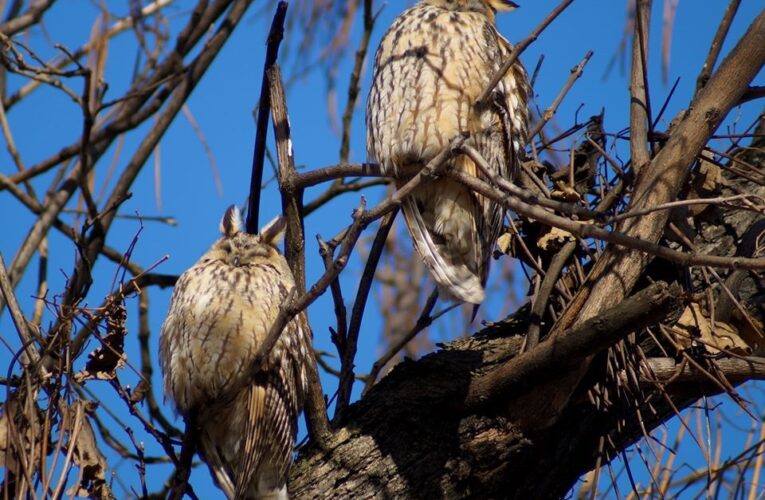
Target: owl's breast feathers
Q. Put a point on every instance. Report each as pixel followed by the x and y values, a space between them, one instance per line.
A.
pixel 221 311
pixel 430 69
pixel 221 315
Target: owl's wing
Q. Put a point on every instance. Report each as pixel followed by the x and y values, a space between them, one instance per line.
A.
pixel 269 438
pixel 252 450
pixel 503 148
pixel 512 103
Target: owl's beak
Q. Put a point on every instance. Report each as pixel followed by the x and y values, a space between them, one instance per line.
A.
pixel 503 5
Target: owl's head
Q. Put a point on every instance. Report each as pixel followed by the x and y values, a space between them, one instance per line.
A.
pixel 238 248
pixel 476 5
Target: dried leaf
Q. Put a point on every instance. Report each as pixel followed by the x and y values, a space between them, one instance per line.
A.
pixel 99 50
pixel 505 242
pixel 554 239
pixel 89 459
pixel 103 362
pixel 709 175
pixel 750 329
pixel 694 325
pixel 565 192
pixel 725 336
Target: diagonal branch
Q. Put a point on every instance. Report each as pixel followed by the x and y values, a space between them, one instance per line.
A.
pixel 645 308
pixel 717 43
pixel 518 50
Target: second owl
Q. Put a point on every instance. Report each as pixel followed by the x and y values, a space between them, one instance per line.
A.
pixel 431 67
pixel 221 312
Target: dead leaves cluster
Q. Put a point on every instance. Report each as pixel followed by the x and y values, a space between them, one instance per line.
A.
pixel 105 360
pixel 696 328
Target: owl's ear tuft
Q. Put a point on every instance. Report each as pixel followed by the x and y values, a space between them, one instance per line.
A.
pixel 231 223
pixel 273 232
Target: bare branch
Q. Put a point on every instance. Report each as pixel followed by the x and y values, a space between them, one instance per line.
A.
pixel 576 72
pixel 518 49
pixel 640 105
pixel 349 348
pixel 667 370
pixel 275 35
pixel 717 43
pixel 645 308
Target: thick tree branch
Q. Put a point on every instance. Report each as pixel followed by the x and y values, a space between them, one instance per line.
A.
pixel 556 355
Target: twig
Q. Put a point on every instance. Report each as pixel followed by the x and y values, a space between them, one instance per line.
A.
pixel 617 271
pixel 30 355
pixel 348 238
pixel 594 231
pixel 319 175
pixel 353 85
pixel 294 249
pixel 147 367
pixel 720 200
pixel 717 43
pixel 161 84
pixel 170 221
pixel 275 36
pixel 134 112
pixel 133 285
pixel 576 73
pixel 423 321
pixel 752 93
pixel 338 188
pixel 348 355
pixel 340 334
pixel 162 439
pixel 518 49
pixel 528 196
pixel 116 28
pixel 667 370
pixel 543 295
pixel 23 21
pixel 183 468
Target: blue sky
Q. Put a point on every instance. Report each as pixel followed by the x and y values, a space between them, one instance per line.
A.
pixel 222 105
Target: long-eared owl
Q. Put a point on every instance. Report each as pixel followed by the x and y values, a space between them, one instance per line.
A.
pixel 221 310
pixel 432 65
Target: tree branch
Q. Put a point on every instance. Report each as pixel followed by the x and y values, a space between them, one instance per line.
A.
pixel 556 355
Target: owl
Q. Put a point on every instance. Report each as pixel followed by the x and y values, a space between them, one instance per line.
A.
pixel 221 311
pixel 430 69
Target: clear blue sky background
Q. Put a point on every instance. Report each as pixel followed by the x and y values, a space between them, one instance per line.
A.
pixel 222 105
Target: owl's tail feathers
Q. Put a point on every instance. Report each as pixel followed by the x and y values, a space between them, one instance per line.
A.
pixel 275 494
pixel 450 257
pixel 220 472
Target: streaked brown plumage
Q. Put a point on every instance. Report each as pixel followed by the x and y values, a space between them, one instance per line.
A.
pixel 221 310
pixel 431 67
